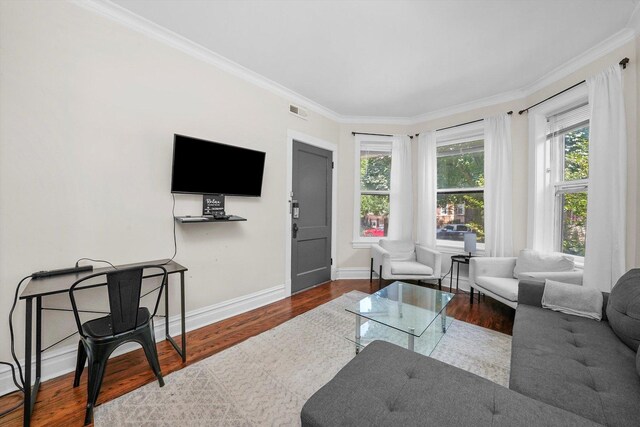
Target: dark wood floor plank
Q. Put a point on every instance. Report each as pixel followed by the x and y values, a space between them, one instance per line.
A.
pixel 61 404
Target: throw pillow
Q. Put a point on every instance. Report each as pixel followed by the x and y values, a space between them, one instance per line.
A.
pixel 623 309
pixel 533 261
pixel 572 299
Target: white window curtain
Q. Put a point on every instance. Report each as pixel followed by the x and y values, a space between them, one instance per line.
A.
pixel 606 205
pixel 401 195
pixel 497 186
pixel 427 189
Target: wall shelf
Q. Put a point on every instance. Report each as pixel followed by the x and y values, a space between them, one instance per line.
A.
pixel 203 219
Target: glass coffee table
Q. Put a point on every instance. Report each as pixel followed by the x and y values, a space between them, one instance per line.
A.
pixel 404 314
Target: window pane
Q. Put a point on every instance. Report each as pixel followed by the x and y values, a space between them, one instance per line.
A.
pixel 374 215
pixel 375 170
pixel 459 213
pixel 576 154
pixel 574 223
pixel 461 165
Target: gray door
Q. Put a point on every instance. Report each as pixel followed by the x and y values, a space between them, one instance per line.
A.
pixel 311 217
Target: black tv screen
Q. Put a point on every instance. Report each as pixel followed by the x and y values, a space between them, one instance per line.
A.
pixel 207 167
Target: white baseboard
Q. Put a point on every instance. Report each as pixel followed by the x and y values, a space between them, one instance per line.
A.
pixel 61 361
pixel 353 273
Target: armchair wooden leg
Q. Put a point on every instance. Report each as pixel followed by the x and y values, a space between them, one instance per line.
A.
pixel 380 279
pixel 470 295
pixel 371 271
pixel 440 285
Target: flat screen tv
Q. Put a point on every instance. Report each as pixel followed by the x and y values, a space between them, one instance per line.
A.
pixel 207 167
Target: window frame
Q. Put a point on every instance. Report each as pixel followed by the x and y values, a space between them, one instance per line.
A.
pixel 558 185
pixel 458 135
pixel 384 142
pixel 544 222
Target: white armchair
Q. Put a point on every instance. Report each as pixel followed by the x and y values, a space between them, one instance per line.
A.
pixel 499 277
pixel 397 259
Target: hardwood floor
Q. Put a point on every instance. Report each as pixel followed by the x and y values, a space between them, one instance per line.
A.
pixel 61 404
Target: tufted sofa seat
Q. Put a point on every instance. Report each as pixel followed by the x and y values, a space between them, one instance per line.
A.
pixel 386 385
pixel 565 371
pixel 574 363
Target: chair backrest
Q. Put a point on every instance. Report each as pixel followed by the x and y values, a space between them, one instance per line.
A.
pixel 124 287
pixel 400 250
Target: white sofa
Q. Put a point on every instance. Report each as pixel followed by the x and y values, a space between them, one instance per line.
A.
pixel 498 277
pixel 404 260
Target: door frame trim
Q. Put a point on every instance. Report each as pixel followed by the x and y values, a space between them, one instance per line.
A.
pixel 320 143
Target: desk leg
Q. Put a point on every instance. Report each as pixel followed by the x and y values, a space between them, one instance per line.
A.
pixel 38 338
pixel 182 351
pixel 182 319
pixel 166 309
pixel 27 362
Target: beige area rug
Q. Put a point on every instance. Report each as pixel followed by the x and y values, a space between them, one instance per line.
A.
pixel 265 380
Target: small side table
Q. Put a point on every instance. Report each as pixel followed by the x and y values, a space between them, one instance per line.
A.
pixel 459 259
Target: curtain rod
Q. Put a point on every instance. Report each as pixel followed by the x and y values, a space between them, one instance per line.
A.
pixel 374 134
pixel 462 124
pixel 622 63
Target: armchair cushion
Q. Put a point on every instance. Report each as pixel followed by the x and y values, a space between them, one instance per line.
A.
pixel 506 287
pixel 533 261
pixel 571 299
pixel 410 268
pixel 399 250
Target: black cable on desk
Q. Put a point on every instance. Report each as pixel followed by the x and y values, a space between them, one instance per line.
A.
pixel 95 260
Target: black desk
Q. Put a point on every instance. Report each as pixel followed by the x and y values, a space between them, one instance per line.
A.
pixel 39 288
pixel 460 259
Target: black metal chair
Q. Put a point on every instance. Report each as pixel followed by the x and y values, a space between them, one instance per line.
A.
pixel 126 322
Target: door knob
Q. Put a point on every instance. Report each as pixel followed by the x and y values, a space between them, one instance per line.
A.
pixel 294 230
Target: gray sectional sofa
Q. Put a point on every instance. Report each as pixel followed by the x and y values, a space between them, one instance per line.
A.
pixel 565 371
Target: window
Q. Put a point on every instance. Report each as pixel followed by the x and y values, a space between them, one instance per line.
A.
pixel 460 200
pixel 568 141
pixel 373 184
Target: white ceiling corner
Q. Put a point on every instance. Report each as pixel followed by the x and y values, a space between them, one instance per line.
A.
pixel 452 73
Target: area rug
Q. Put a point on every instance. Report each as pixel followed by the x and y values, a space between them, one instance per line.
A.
pixel 265 380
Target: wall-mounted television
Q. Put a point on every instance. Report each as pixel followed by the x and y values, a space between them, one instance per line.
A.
pixel 207 167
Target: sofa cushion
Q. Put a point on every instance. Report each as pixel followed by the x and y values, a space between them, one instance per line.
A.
pixel 400 250
pixel 534 261
pixel 623 308
pixel 410 268
pixel 506 287
pixel 576 364
pixel 386 385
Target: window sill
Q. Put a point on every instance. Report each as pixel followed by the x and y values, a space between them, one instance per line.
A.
pixel 363 244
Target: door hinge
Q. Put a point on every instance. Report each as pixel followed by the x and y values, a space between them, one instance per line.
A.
pixel 331 261
pixel 332 165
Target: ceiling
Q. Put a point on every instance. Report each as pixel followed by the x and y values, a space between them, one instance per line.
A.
pixel 393 58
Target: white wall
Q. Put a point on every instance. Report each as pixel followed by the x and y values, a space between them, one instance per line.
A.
pixel 88 112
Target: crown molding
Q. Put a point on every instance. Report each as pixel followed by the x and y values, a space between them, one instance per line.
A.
pixel 142 25
pixel 375 120
pixel 468 106
pixel 634 20
pixel 608 45
pixel 617 40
